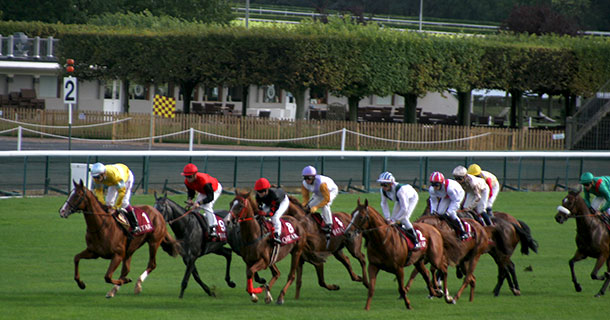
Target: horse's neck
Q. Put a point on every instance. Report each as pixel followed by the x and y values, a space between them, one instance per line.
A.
pixel 585 221
pixel 250 227
pixel 378 227
pixel 94 214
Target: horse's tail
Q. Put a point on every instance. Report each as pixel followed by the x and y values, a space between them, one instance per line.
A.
pixel 170 245
pixel 525 236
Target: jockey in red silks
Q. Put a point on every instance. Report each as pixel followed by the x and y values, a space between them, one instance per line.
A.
pixel 324 192
pixel 406 199
pixel 492 182
pixel 119 180
pixel 600 188
pixel 274 202
pixel 209 190
pixel 477 192
pixel 446 195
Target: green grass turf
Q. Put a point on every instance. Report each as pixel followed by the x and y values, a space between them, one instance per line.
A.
pixel 36 270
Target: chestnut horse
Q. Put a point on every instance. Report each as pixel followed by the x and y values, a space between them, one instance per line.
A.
pixel 463 254
pixel 107 239
pixel 592 237
pixel 316 239
pixel 258 252
pixel 387 250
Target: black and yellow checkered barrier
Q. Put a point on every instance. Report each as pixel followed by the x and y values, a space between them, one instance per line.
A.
pixel 164 106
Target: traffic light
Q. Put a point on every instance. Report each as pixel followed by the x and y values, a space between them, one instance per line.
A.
pixel 70 65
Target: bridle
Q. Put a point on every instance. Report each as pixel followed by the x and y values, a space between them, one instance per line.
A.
pixel 242 213
pixel 181 216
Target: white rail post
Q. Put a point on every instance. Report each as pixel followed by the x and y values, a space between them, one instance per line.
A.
pixel 19 138
pixel 343 139
pixel 191 137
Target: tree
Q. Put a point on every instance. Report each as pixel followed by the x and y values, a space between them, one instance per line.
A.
pixel 539 20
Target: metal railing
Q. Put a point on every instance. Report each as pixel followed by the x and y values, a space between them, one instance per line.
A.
pixel 21 47
pixel 589 117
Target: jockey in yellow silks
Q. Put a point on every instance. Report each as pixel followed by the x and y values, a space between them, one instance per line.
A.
pixel 492 182
pixel 119 180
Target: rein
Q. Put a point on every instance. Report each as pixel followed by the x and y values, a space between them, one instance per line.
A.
pixel 241 218
pixel 182 216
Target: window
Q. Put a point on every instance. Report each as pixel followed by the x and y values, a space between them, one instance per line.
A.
pixel 162 90
pixel 271 94
pixel 138 91
pixel 387 100
pixel 48 87
pixel 235 94
pixel 111 90
pixel 212 93
pixel 318 95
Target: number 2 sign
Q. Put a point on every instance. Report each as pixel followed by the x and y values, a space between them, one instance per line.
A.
pixel 70 90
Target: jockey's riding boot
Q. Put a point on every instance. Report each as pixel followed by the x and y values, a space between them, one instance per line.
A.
pixel 411 234
pixel 459 229
pixel 486 218
pixel 326 228
pixel 277 238
pixel 131 217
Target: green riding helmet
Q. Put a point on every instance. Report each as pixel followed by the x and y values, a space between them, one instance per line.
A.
pixel 586 177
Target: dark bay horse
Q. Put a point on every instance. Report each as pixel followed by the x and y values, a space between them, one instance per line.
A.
pixel 592 237
pixel 387 250
pixel 106 239
pixel 316 239
pixel 506 233
pixel 193 240
pixel 463 254
pixel 258 251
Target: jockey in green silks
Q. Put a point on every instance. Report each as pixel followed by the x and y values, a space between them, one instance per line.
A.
pixel 600 188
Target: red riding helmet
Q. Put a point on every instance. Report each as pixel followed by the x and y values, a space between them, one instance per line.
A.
pixel 189 169
pixel 262 184
pixel 437 177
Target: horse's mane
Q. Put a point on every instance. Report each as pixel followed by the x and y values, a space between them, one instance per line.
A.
pixel 90 192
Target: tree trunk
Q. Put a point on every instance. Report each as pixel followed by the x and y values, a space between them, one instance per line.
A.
pixel 125 97
pixel 410 112
pixel 244 104
pixel 516 109
pixel 464 99
pixel 299 96
pixel 353 107
pixel 187 88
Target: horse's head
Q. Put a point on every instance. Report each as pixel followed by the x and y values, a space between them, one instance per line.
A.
pixel 568 207
pixel 164 205
pixel 76 200
pixel 241 206
pixel 360 216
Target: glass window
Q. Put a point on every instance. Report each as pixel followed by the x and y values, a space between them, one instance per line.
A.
pixel 235 94
pixel 162 90
pixel 387 100
pixel 48 87
pixel 271 94
pixel 137 91
pixel 211 94
pixel 318 95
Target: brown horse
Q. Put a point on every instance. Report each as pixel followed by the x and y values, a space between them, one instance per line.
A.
pixel 258 252
pixel 463 254
pixel 592 237
pixel 316 239
pixel 107 239
pixel 387 250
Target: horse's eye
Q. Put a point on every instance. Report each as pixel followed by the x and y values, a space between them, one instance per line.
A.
pixel 565 200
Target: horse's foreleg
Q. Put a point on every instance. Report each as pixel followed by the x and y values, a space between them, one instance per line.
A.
pixel 400 277
pixel 339 255
pixel 604 287
pixel 201 283
pixel 297 294
pixel 598 264
pixel 114 264
pixel 577 257
pixel 512 278
pixel 426 275
pixel 294 264
pixel 152 264
pixel 411 278
pixel 250 272
pixel 355 249
pixel 228 254
pixel 85 254
pixel 502 274
pixel 372 271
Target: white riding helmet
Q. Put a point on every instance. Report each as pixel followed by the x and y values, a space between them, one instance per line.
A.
pixel 386 177
pixel 98 169
pixel 460 171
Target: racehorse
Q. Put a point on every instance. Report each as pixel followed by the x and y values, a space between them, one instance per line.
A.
pixel 258 252
pixel 506 233
pixel 194 241
pixel 107 239
pixel 592 237
pixel 388 250
pixel 316 239
pixel 463 254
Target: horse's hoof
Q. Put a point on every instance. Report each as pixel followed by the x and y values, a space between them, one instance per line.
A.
pixel 254 298
pixel 138 288
pixel 333 287
pixel 280 302
pixel 578 287
pixel 517 292
pixel 231 284
pixel 81 285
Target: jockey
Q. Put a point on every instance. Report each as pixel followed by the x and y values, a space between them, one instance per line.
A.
pixel 209 190
pixel 492 182
pixel 406 199
pixel 445 198
pixel 324 192
pixel 119 180
pixel 477 192
pixel 274 202
pixel 600 188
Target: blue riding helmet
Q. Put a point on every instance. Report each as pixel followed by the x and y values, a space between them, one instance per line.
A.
pixel 98 169
pixel 386 177
pixel 586 177
pixel 309 171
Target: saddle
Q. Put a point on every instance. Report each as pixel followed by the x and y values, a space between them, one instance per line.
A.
pixel 144 222
pixel 221 230
pixel 420 237
pixel 337 228
pixel 288 234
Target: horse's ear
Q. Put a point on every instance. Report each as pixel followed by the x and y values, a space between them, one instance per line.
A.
pixel 81 183
pixel 366 202
pixel 165 195
pixel 155 194
pixel 359 201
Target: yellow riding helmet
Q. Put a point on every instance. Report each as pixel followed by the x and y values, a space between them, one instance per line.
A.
pixel 474 169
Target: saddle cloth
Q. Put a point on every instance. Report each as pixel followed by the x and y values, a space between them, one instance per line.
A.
pixel 338 227
pixel 423 242
pixel 221 229
pixel 144 222
pixel 288 234
pixel 468 229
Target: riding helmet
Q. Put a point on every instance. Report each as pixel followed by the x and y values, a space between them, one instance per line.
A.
pixel 309 171
pixel 262 184
pixel 460 171
pixel 189 169
pixel 586 177
pixel 97 169
pixel 474 169
pixel 437 177
pixel 386 177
